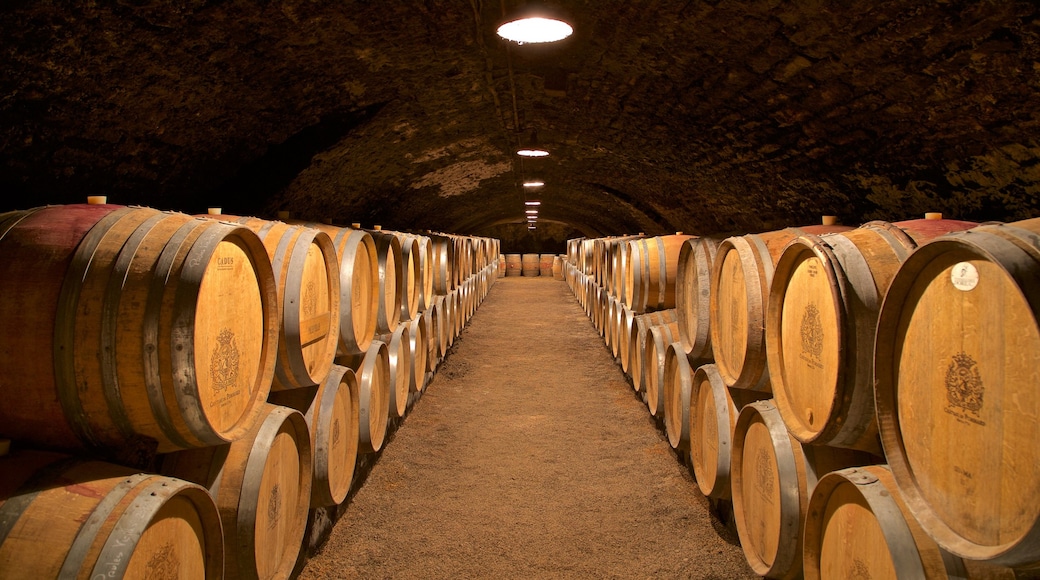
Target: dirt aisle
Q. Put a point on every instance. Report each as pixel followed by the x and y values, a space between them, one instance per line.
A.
pixel 528 456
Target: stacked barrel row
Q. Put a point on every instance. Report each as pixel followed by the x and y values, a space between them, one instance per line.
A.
pixel 861 399
pixel 184 389
pixel 545 265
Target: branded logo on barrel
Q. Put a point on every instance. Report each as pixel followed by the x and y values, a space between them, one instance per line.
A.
pixel 224 366
pixel 964 389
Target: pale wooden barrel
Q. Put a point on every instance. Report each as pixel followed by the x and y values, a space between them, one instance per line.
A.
pixel 628 320
pixel 306 270
pixel 529 264
pixel 740 279
pixel 557 267
pixel 373 377
pixel 772 477
pixel 513 265
pixel 391 281
pixel 399 359
pixel 637 344
pixel 358 285
pixel 102 281
pixel 655 348
pixel 692 296
pixel 650 284
pixel 611 323
pixel 957 361
pixel 433 342
pixel 713 419
pixel 262 486
pixel 439 326
pixel 424 280
pixel 443 263
pixel 545 264
pixel 331 412
pixel 412 279
pixel 418 346
pixel 677 387
pixel 858 526
pixel 66 517
pixel 820 326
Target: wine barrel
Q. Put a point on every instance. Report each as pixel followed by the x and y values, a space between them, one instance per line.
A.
pixel 545 264
pixel 358 286
pixel 692 296
pixel 424 276
pixel 740 280
pixel 529 264
pixel 391 281
pixel 650 282
pixel 331 412
pixel 399 359
pixel 713 418
pixel 418 346
pixel 773 476
pixel 628 319
pixel 677 386
pixel 433 341
pixel 306 271
pixel 637 344
pixel 412 273
pixel 820 326
pixel 513 265
pixel 611 323
pixel 858 526
pixel 262 486
pixel 557 267
pixel 372 370
pixel 956 364
pixel 158 331
pixel 66 517
pixel 655 348
pixel 443 263
pixel 438 326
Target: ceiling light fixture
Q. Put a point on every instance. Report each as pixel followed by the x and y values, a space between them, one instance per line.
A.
pixel 532 148
pixel 534 183
pixel 532 202
pixel 534 23
pixel 531 211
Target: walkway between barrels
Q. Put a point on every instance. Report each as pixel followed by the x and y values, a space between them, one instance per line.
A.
pixel 529 455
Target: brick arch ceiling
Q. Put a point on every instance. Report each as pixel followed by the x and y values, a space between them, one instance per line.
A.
pixel 709 117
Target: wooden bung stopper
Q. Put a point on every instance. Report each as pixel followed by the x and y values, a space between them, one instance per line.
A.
pixel 356 225
pixel 97 199
pixel 213 210
pixel 933 215
pixel 830 220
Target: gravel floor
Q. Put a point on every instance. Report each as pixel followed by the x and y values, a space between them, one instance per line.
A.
pixel 530 456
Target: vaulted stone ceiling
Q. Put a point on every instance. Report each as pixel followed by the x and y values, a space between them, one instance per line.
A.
pixel 710 117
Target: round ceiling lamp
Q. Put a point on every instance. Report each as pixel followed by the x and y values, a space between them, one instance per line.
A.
pixel 534 183
pixel 534 23
pixel 532 148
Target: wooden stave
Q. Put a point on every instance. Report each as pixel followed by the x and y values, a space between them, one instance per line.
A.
pixel 1012 249
pixel 109 512
pixel 650 282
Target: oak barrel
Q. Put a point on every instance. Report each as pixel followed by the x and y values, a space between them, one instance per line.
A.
pixel 262 486
pixel 399 360
pixel 637 344
pixel 956 364
pixel 412 275
pixel 418 344
pixel 67 517
pixel 655 348
pixel 372 370
pixel 443 263
pixel 713 418
pixel 331 412
pixel 306 270
pixel 677 386
pixel 857 526
pixel 545 264
pixel 773 476
pixel 156 330
pixel 557 267
pixel 741 276
pixel 529 264
pixel 513 265
pixel 391 281
pixel 650 281
pixel 692 296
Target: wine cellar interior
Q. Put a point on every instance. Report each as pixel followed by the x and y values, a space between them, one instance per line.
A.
pixel 242 243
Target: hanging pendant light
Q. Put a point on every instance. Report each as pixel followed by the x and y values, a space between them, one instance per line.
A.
pixel 534 23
